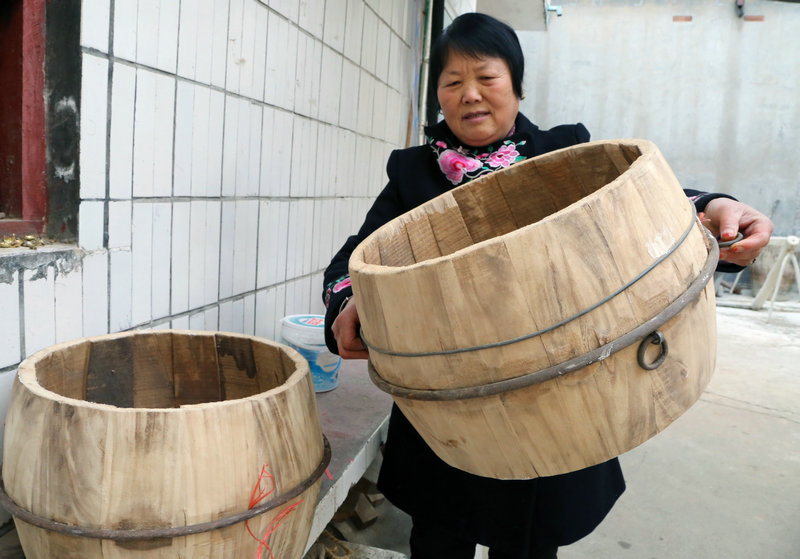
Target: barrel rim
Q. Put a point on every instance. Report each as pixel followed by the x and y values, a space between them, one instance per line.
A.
pixel 357 264
pixel 26 373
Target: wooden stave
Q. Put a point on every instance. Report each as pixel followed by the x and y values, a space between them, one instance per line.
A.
pixel 296 392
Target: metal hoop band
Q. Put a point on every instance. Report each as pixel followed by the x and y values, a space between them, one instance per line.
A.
pixel 603 352
pixel 174 532
pixel 603 301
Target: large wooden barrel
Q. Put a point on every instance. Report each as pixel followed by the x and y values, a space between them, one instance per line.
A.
pixel 161 445
pixel 517 319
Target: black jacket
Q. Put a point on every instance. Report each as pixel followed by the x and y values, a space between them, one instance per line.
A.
pixel 497 513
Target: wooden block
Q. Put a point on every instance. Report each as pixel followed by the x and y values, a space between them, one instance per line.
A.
pixel 365 512
pixel 370 491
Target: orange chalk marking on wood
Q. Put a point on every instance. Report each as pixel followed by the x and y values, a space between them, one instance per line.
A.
pixel 258 495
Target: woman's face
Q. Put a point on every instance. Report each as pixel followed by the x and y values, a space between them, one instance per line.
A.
pixel 477 98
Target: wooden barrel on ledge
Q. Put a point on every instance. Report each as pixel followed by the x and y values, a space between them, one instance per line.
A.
pixel 546 317
pixel 163 444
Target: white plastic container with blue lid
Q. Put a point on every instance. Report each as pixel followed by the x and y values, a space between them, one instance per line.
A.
pixel 306 334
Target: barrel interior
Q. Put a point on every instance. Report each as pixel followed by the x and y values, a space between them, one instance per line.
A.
pixel 501 203
pixel 164 369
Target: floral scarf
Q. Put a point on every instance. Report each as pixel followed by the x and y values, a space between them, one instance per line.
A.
pixel 462 164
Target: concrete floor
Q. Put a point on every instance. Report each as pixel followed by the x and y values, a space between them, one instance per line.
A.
pixel 722 482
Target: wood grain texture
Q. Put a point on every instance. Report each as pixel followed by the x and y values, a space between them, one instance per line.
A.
pixel 102 466
pixel 521 250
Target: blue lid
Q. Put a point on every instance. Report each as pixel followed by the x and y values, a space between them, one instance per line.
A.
pixel 315 321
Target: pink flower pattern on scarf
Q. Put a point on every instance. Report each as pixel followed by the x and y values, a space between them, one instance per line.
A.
pixel 461 165
pixel 454 164
pixel 503 157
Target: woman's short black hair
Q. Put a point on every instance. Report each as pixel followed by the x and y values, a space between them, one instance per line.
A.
pixel 478 35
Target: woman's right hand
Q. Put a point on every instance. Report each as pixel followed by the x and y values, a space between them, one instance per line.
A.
pixel 345 330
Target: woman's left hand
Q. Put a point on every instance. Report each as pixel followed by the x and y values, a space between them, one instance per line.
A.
pixel 725 217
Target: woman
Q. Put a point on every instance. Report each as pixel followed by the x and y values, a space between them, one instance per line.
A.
pixel 477 67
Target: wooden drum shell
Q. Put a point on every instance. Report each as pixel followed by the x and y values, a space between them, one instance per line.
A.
pixel 203 413
pixel 514 253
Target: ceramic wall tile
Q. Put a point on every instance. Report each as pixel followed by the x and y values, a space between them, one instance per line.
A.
pixel 311 17
pixel 153 131
pixel 94 24
pixel 282 64
pixel 91 216
pixel 244 246
pixel 9 327
pixel 273 231
pixel 330 85
pixel 120 290
pixel 307 77
pixel 366 101
pixel 304 149
pixel 95 294
pixel 276 152
pixel 227 240
pixel 180 242
pixel 185 135
pixel 382 52
pixel 119 224
pixel 249 315
pixel 370 40
pixel 125 30
pixel 335 22
pixel 348 103
pixel 212 248
pixel 93 118
pixel 123 98
pixel 288 8
pixel 69 308
pixel 141 264
pixel 157 34
pixel 354 26
pixel 161 270
pixel 180 323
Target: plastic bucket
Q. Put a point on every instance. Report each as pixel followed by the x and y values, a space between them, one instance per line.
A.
pixel 306 334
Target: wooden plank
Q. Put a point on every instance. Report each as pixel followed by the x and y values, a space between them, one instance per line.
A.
pixel 109 375
pixel 153 386
pixel 237 367
pixel 450 230
pixel 195 370
pixel 395 248
pixel 64 372
pixel 422 239
pixel 485 209
pixel 273 366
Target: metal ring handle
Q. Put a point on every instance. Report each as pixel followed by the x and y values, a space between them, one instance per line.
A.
pixel 174 532
pixel 655 338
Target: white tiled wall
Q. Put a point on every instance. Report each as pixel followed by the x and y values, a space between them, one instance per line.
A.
pixel 228 148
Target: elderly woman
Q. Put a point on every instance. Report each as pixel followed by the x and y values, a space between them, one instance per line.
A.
pixel 477 67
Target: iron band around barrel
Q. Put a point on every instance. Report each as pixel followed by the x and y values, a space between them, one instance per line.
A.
pixel 174 532
pixel 552 327
pixel 603 352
